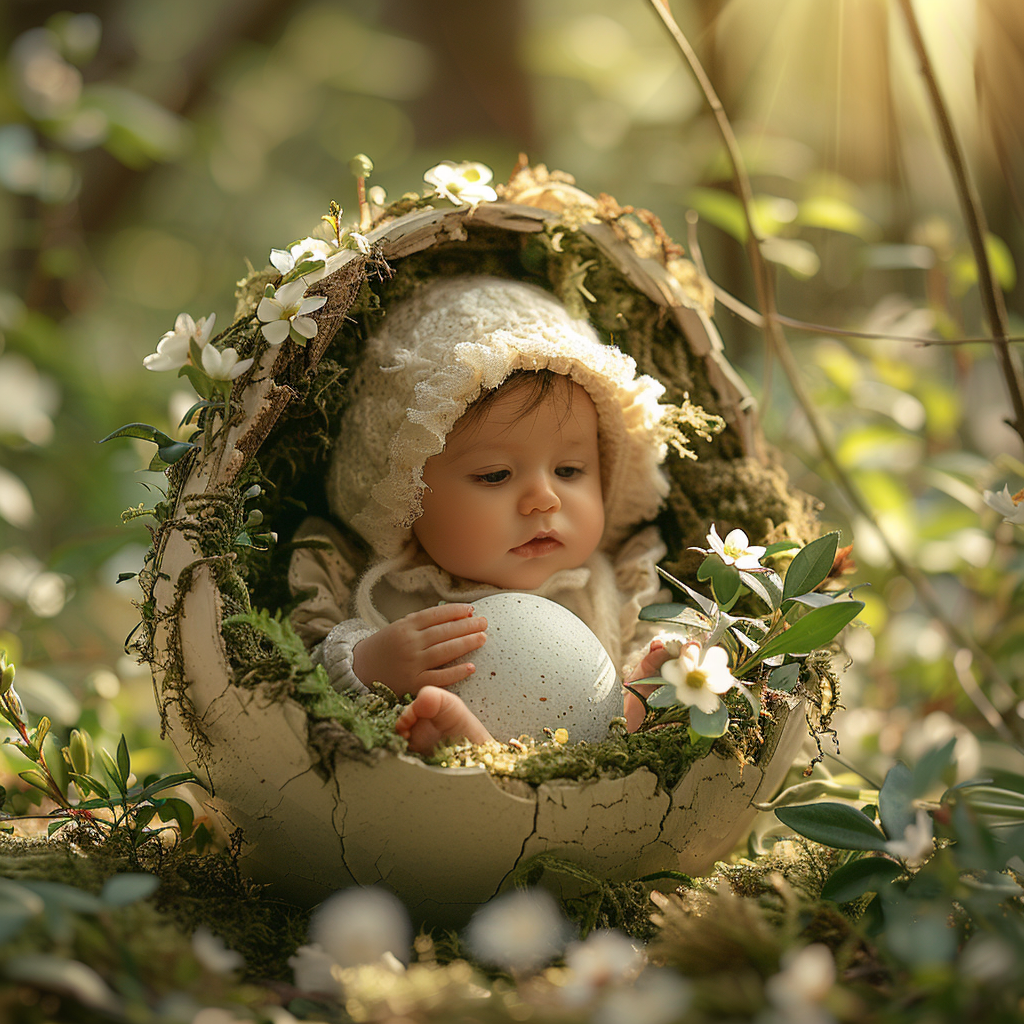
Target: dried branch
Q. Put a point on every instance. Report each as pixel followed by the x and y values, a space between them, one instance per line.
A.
pixel 974 218
pixel 778 344
pixel 752 317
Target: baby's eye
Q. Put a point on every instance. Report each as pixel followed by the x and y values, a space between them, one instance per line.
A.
pixel 568 472
pixel 497 476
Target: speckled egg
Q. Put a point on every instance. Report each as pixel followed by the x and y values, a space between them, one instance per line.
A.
pixel 541 667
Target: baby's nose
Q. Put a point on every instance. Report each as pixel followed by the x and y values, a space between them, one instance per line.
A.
pixel 540 496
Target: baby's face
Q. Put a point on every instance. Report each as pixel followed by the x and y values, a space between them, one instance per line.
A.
pixel 514 496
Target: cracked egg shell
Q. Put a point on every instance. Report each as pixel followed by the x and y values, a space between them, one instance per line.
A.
pixel 316 818
pixel 541 667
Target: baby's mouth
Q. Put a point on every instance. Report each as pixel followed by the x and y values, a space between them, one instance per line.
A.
pixel 542 544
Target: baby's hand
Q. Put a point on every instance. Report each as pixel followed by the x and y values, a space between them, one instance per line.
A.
pixel 410 653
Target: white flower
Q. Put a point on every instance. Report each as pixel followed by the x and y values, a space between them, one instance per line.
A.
pixel 1010 507
pixel 311 966
pixel 519 931
pixel 605 958
pixel 172 349
pixel 797 991
pixel 461 184
pixel 224 365
pixel 699 676
pixel 736 549
pixel 915 846
pixel 354 240
pixel 361 926
pixel 287 310
pixel 659 996
pixel 286 260
pixel 211 952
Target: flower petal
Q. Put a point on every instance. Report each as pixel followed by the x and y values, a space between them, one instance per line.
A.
pixel 269 309
pixel 311 304
pixel 304 325
pixel 276 331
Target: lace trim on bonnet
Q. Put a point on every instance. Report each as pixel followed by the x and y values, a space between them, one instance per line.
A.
pixel 436 354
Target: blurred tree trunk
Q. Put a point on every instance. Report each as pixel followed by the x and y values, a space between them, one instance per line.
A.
pixel 479 88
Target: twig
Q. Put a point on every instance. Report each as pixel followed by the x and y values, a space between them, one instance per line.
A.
pixel 777 342
pixel 974 218
pixel 752 317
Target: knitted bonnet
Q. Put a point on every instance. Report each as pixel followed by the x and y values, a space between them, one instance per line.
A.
pixel 438 352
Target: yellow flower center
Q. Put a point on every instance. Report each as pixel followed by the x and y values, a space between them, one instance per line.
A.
pixel 289 312
pixel 696 678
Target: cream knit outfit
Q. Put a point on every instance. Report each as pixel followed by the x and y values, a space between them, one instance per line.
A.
pixel 434 355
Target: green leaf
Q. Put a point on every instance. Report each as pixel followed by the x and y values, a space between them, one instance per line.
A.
pixel 167 782
pixel 663 697
pixel 142 817
pixel 796 255
pixel 124 761
pixel 112 770
pixel 825 211
pixel 785 677
pixel 895 808
pixel 36 778
pixel 170 453
pixel 120 890
pixel 832 824
pixel 725 579
pixel 867 874
pixel 814 600
pixel 817 628
pixel 660 612
pixel 767 586
pixel 930 768
pixel 712 725
pixel 140 430
pixel 779 546
pixel 720 208
pixel 90 784
pixel 680 614
pixel 199 380
pixel 55 763
pixel 69 897
pixel 175 809
pixel 810 566
pixel 193 409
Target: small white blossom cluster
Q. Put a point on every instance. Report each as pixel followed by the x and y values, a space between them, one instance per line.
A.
pixel 174 349
pixel 462 184
pixel 361 940
pixel 284 311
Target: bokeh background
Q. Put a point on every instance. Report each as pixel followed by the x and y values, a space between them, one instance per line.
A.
pixel 149 149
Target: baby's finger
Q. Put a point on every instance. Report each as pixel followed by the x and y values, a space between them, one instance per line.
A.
pixel 446 676
pixel 438 634
pixel 439 613
pixel 448 650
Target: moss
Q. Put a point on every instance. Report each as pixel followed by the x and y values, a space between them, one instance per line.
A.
pixel 207 891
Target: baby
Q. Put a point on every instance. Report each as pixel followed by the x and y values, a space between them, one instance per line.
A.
pixel 491 443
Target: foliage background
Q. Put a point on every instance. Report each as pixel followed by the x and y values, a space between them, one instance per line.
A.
pixel 149 148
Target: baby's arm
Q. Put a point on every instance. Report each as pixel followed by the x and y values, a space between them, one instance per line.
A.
pixel 414 651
